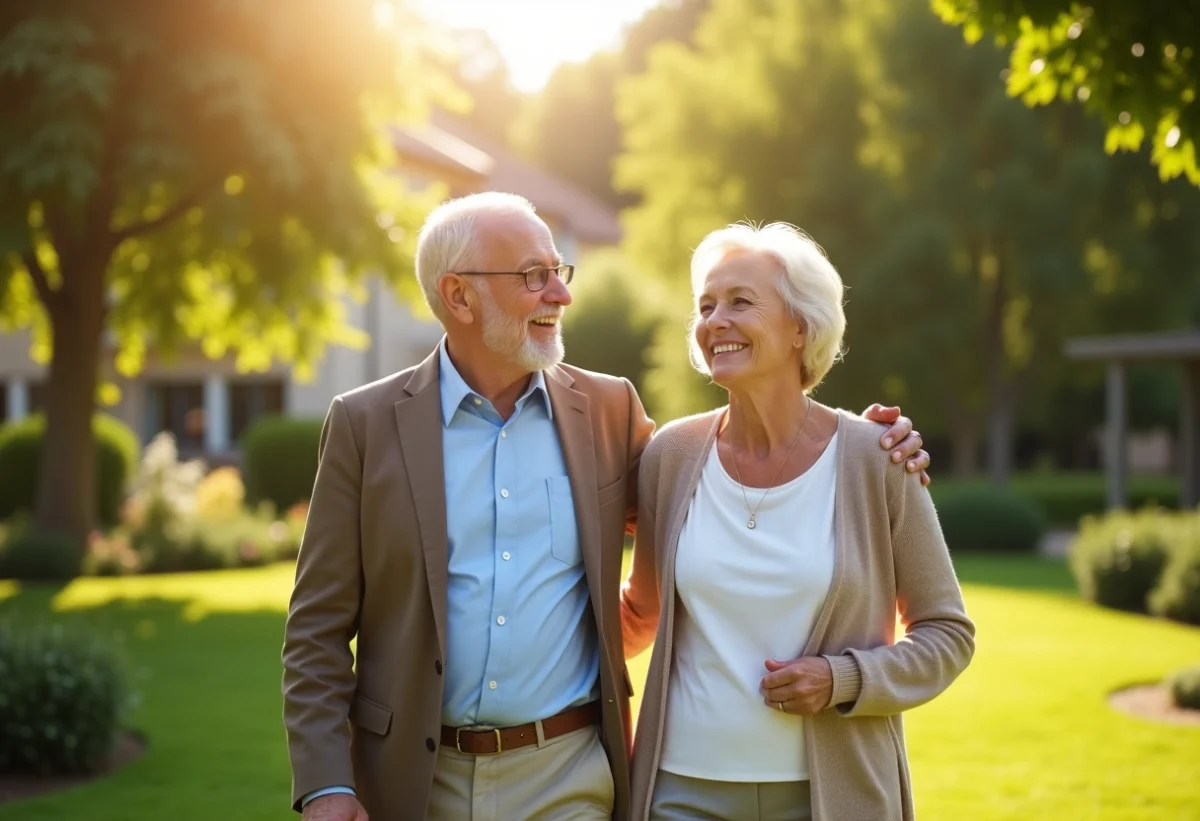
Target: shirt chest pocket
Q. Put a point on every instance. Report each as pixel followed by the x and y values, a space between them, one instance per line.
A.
pixel 564 531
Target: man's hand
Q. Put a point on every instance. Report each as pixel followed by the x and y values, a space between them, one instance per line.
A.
pixel 334 807
pixel 901 434
pixel 802 687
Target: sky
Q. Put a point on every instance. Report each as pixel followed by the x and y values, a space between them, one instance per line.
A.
pixel 535 36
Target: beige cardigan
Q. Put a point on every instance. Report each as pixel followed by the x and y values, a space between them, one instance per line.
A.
pixel 890 559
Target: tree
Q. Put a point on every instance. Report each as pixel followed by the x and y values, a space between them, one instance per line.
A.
pixel 491 105
pixel 1133 64
pixel 213 173
pixel 579 102
pixel 973 233
pixel 760 126
pixel 611 322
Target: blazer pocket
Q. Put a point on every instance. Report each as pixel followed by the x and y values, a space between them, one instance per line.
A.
pixel 372 717
pixel 611 492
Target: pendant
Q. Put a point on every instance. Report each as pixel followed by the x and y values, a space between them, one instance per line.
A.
pixel 750 524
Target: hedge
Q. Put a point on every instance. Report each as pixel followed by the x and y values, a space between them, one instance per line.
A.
pixel 117 452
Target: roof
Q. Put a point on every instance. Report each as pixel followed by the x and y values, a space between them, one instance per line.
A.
pixel 1170 345
pixel 448 143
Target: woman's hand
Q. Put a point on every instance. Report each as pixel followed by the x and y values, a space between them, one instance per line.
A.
pixel 802 687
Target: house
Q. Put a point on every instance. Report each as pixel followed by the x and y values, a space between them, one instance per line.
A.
pixel 207 404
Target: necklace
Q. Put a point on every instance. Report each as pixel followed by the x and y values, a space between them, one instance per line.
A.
pixel 770 485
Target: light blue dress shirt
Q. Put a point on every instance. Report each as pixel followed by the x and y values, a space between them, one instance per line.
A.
pixel 521 641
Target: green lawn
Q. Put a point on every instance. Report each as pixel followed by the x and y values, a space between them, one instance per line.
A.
pixel 1024 734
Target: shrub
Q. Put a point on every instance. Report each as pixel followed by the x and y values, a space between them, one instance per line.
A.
pixel 30 555
pixel 63 696
pixel 111 555
pixel 1177 595
pixel 280 460
pixel 1184 687
pixel 20 454
pixel 1066 497
pixel 989 519
pixel 220 494
pixel 1117 560
pixel 192 543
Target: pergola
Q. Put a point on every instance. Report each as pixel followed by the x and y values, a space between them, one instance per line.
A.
pixel 1180 347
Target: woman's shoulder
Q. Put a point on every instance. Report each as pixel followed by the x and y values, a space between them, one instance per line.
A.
pixel 860 441
pixel 681 437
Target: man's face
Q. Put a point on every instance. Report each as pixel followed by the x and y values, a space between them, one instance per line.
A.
pixel 523 326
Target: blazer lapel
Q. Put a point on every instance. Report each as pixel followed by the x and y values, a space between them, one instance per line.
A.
pixel 572 418
pixel 419 422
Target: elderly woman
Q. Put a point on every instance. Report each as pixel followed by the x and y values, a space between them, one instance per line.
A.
pixel 776 546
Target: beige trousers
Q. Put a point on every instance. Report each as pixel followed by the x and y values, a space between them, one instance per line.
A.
pixel 680 798
pixel 567 777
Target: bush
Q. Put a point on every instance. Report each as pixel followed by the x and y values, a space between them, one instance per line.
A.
pixel 29 555
pixel 1064 498
pixel 1184 687
pixel 63 696
pixel 220 494
pixel 1177 595
pixel 989 519
pixel 117 450
pixel 280 460
pixel 192 543
pixel 1118 559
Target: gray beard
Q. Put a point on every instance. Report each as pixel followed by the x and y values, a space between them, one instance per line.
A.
pixel 509 337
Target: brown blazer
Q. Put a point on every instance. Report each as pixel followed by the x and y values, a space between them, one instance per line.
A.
pixel 890 559
pixel 373 566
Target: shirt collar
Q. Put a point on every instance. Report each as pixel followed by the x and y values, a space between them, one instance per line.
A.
pixel 455 390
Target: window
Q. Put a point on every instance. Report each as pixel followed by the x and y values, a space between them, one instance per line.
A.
pixel 251 400
pixel 177 407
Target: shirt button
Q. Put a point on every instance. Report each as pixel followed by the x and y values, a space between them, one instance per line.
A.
pixel 504 492
pixel 491 685
pixel 503 434
pixel 437 665
pixel 429 745
pixel 500 621
pixel 478 401
pixel 506 555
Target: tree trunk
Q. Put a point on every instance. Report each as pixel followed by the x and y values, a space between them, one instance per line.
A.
pixel 1001 424
pixel 966 446
pixel 1000 400
pixel 66 493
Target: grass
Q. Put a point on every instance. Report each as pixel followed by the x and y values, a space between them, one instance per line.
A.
pixel 1025 733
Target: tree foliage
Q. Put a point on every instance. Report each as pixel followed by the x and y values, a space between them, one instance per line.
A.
pixel 571 125
pixel 1134 64
pixel 214 173
pixel 973 233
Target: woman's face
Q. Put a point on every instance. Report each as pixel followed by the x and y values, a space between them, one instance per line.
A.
pixel 744 328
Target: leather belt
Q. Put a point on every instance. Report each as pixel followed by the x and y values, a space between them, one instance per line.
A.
pixel 475 741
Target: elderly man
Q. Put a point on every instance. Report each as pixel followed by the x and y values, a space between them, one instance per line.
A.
pixel 467 526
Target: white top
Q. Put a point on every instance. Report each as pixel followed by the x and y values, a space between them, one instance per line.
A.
pixel 747 596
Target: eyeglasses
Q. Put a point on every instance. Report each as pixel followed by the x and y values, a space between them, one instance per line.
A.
pixel 535 278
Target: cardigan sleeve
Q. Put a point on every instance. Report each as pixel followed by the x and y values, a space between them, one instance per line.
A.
pixel 939 638
pixel 640 592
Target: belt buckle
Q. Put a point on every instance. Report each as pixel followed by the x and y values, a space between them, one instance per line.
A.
pixel 458 740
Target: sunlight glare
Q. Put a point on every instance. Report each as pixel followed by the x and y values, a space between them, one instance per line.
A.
pixel 536 36
pixel 385 14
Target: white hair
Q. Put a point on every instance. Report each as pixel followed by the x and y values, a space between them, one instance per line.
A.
pixel 808 283
pixel 447 241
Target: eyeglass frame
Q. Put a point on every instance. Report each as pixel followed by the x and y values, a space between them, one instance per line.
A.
pixel 557 269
